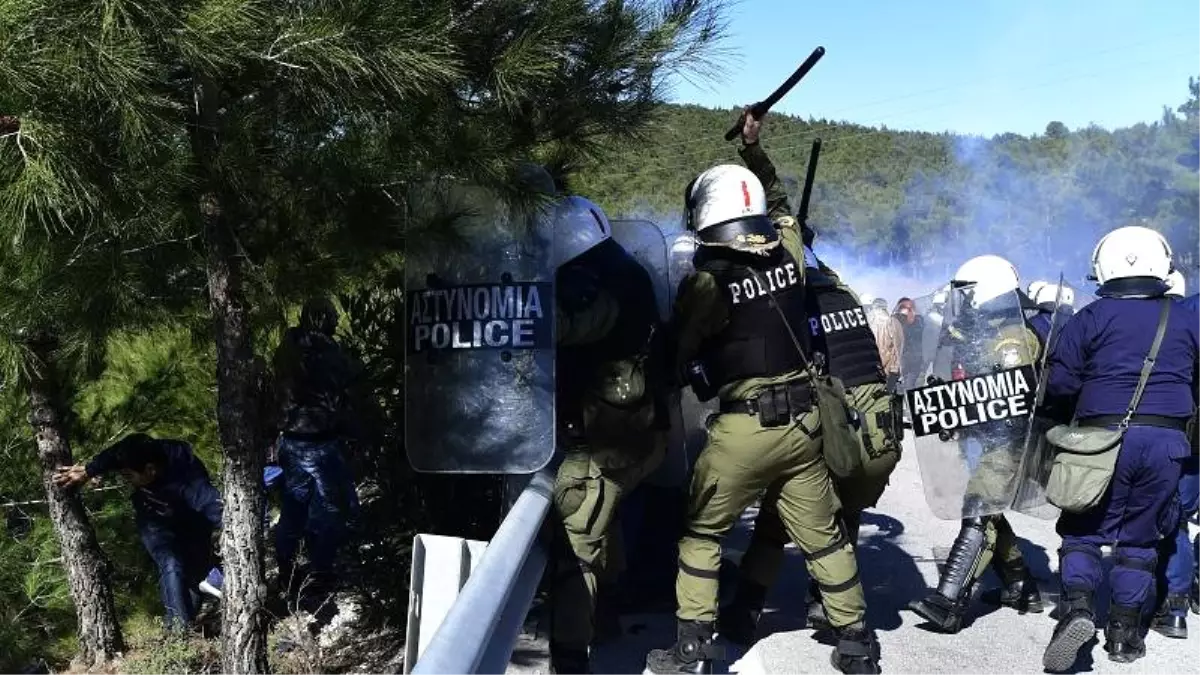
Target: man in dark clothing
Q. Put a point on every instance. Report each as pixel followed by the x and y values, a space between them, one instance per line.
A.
pixel 911 359
pixel 177 509
pixel 313 376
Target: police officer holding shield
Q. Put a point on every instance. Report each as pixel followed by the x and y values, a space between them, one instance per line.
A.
pixel 986 539
pixel 1097 364
pixel 737 331
pixel 611 384
pixel 841 334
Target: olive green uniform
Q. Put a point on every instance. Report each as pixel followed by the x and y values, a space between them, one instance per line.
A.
pixel 742 459
pixel 998 469
pixel 764 556
pixel 987 540
pixel 616 448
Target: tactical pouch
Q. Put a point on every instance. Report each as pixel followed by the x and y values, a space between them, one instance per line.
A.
pixel 779 406
pixel 1085 459
pixel 841 428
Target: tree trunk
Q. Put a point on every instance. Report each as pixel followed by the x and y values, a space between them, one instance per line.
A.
pixel 87 569
pixel 244 620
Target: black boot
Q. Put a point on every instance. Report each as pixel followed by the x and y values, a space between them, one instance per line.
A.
pixel 1020 590
pixel 569 661
pixel 738 621
pixel 815 617
pixel 693 652
pixel 1123 635
pixel 857 650
pixel 608 615
pixel 1075 629
pixel 945 607
pixel 1171 618
pixel 1194 600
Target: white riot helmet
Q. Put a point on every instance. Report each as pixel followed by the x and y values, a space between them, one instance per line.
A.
pixel 1176 285
pixel 988 277
pixel 1130 252
pixel 1049 292
pixel 579 226
pixel 1035 286
pixel 727 206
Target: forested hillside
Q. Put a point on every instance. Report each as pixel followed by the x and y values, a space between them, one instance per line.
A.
pixel 919 204
pixel 176 178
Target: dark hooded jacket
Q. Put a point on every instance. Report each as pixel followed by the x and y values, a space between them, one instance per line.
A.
pixel 313 375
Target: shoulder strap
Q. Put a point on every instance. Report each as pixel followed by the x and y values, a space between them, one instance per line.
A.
pixel 1148 364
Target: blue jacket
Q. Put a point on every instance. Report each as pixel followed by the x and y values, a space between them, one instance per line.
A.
pixel 183 493
pixel 1040 323
pixel 1098 358
pixel 1191 302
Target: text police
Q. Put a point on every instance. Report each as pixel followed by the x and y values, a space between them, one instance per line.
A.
pixel 974 400
pixel 835 322
pixel 487 316
pixel 778 278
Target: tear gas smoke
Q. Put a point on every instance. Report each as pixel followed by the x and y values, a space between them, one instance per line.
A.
pixel 1041 203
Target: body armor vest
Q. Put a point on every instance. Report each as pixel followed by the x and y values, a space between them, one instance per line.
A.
pixel 838 329
pixel 755 342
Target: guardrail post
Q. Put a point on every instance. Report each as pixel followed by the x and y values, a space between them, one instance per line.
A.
pixel 480 630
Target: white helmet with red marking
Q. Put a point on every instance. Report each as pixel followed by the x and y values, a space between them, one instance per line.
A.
pixel 727 206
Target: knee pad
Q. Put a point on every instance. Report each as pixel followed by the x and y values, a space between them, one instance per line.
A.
pixel 1149 566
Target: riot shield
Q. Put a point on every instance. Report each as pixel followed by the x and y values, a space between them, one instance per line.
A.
pixel 479 354
pixel 645 242
pixel 1038 456
pixel 692 429
pixel 970 418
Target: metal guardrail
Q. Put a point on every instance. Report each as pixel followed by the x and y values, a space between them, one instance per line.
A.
pixel 480 631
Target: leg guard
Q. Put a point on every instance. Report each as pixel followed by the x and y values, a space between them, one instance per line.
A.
pixel 945 607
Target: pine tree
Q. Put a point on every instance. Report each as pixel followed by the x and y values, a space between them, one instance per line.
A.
pixel 281 140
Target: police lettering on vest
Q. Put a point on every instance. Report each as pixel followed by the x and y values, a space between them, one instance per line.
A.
pixel 837 322
pixel 752 287
pixel 1000 395
pixel 487 316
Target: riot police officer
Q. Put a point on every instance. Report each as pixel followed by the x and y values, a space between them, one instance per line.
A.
pixel 1046 297
pixel 986 540
pixel 1176 286
pixel 737 327
pixel 611 384
pixel 840 333
pixel 1097 362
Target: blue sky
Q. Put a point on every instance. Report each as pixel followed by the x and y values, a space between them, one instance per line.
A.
pixel 971 66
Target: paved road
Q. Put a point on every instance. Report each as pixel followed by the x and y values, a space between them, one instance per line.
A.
pixel 898 559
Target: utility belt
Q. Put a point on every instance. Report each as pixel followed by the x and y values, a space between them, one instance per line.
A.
pixel 1161 421
pixel 776 406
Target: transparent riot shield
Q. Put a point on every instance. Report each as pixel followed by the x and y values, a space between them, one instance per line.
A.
pixel 692 429
pixel 647 244
pixel 479 354
pixel 970 418
pixel 1038 455
pixel 932 312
